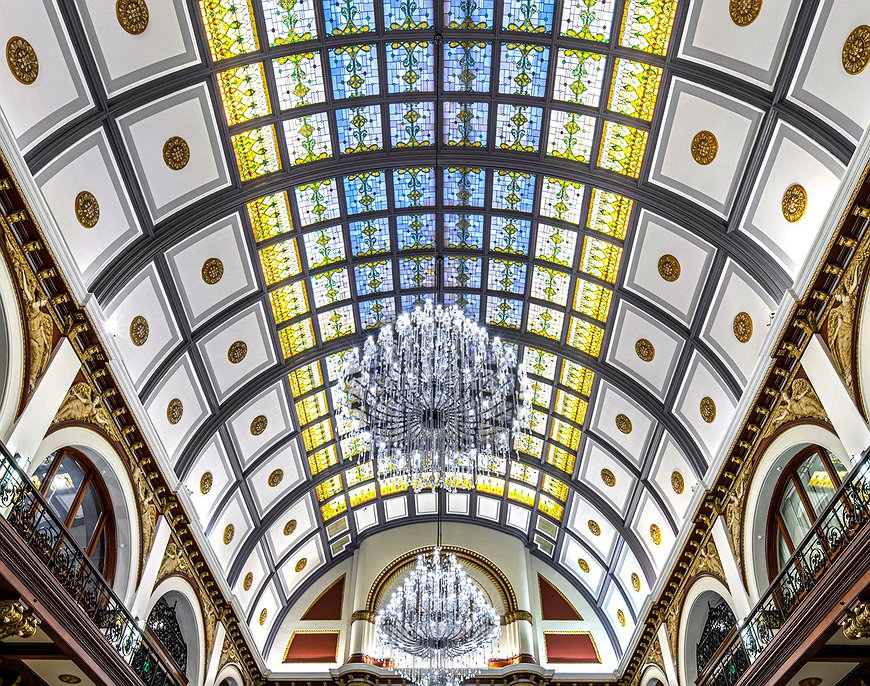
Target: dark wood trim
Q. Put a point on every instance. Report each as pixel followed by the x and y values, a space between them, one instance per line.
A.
pixel 24 650
pixel 841 652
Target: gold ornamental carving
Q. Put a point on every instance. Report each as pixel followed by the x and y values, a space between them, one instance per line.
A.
pixel 655 654
pixel 229 654
pixel 206 481
pixel 669 268
pixel 229 534
pixel 708 409
pixel 655 533
pixel 148 511
pixel 608 477
pixel 276 477
pixel 237 352
pixel 139 330
pixel 635 582
pixel 248 582
pixel 798 402
pixel 174 411
pixel 594 528
pixel 707 561
pixel 856 50
pixel 290 527
pixel 794 203
pixel 259 424
pixel 857 622
pixel 744 12
pixel 677 483
pixel 264 613
pixel 87 209
pixel 645 350
pixel 742 327
pixel 212 270
pixel 623 423
pixel 40 326
pixel 132 15
pixel 584 566
pixel 176 153
pixel 620 617
pixel 81 404
pixel 16 620
pixel 303 562
pixel 69 679
pixel 22 60
pixel 733 510
pixel 705 147
pixel 810 681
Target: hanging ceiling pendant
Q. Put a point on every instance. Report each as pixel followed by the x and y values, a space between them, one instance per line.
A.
pixel 433 400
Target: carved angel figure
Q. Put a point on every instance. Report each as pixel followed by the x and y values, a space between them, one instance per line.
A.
pixel 800 402
pixel 842 317
pixel 80 405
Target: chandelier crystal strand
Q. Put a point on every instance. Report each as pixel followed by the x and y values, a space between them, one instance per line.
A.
pixel 433 400
pixel 438 627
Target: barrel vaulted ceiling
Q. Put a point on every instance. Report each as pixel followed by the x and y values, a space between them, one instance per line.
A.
pixel 241 190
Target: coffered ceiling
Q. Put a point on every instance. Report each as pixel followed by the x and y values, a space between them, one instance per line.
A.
pixel 624 189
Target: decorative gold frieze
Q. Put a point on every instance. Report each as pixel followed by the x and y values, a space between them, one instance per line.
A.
pixel 301 564
pixel 620 617
pixel 742 327
pixel 669 268
pixel 677 482
pixel 584 566
pixel 132 15
pixel 705 147
pixel 205 482
pixel 276 477
pixel 856 50
pixel 798 402
pixel 16 620
pixel 645 350
pixel 237 352
pixel 22 60
pixel 744 12
pixel 290 527
pixel 635 582
pixel 249 581
pixel 794 203
pixel 264 613
pixel 229 533
pixel 655 533
pixel 87 209
pixel 81 404
pixel 176 153
pixel 212 270
pixel 148 511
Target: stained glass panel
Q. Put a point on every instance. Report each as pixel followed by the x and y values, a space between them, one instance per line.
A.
pixel 600 259
pixel 531 16
pixel 518 127
pixel 464 186
pixel 412 124
pixel 336 323
pixel 622 149
pixel 585 336
pixel 270 216
pixel 505 312
pixel 507 276
pixel 365 192
pixel 229 26
pixel 256 152
pixel 289 302
pixel 243 92
pixel 579 76
pixel 539 362
pixel 296 337
pixel 467 66
pixel 408 15
pixel 374 277
pixel 359 129
pixel 609 213
pixel 545 321
pixel 330 287
pixel 300 80
pixel 468 303
pixel 588 19
pixel 324 246
pixel 561 199
pixel 647 25
pixel 509 235
pixel 556 244
pixel 551 285
pixel 354 70
pixel 592 299
pixel 523 69
pixel 464 231
pixel 370 237
pixel 415 231
pixel 414 187
pixel 410 66
pixel 290 21
pixel 308 138
pixel 375 313
pixel 317 201
pixel 635 89
pixel 513 190
pixel 280 261
pixel 564 433
pixel 349 17
pixel 570 136
pixel 312 408
pixel 577 377
pixel 417 272
pixel 571 407
pixel 466 124
pixel 461 14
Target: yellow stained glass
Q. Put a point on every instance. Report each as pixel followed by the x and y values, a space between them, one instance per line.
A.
pixel 557 489
pixel 312 408
pixel 316 435
pixel 362 494
pixel 600 259
pixel 647 25
pixel 537 421
pixel 592 299
pixel 609 213
pixel 305 379
pixel 244 93
pixel 577 377
pixel 256 152
pixel 459 482
pixel 491 485
pixel 550 507
pixel 323 459
pixel 635 89
pixel 529 445
pixel 333 508
pixel 539 362
pixel 542 393
pixel 353 446
pixel 296 337
pixel 270 216
pixel 229 27
pixel 328 488
pixel 560 458
pixel 356 475
pixel 289 301
pixel 525 473
pixel 622 149
pixel 280 261
pixel 585 336
pixel 394 485
pixel 521 494
pixel 564 433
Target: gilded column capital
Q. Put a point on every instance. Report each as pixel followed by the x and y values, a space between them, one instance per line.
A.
pixel 16 620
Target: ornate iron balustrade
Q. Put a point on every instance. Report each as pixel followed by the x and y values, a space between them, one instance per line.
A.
pixel 842 520
pixel 42 531
pixel 163 622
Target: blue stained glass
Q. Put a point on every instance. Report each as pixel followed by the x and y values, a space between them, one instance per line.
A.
pixel 410 67
pixel 412 124
pixel 417 272
pixel 405 15
pixel 370 237
pixel 365 192
pixel 507 275
pixel 464 231
pixel 464 186
pixel 461 14
pixel 466 123
pixel 412 302
pixel 532 16
pixel 317 201
pixel 462 271
pixel 374 277
pixel 469 303
pixel 523 69
pixel 359 129
pixel 414 187
pixel 505 312
pixel 377 312
pixel 467 66
pixel 415 231
pixel 518 127
pixel 349 17
pixel 354 71
pixel 509 235
pixel 513 190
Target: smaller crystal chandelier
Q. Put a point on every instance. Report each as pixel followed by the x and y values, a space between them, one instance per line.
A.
pixel 433 400
pixel 438 627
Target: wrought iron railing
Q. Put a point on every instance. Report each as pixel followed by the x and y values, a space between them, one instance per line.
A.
pixel 842 520
pixel 41 530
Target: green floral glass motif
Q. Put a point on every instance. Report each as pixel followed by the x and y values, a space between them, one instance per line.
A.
pixel 592 299
pixel 635 89
pixel 562 200
pixel 410 67
pixel 622 149
pixel 324 247
pixel 289 21
pixel 468 14
pixel 578 78
pixel 256 152
pixel 570 136
pixel 609 213
pixel 507 276
pixel 289 302
pixel 647 25
pixel 300 80
pixel 588 19
pixel 296 337
pixel 551 285
pixel 408 15
pixel 270 216
pixel 280 261
pixel 336 323
pixel 229 27
pixel 330 287
pixel 545 321
pixel 349 17
pixel 243 92
pixel 308 138
pixel 539 362
pixel 556 244
pixel 530 16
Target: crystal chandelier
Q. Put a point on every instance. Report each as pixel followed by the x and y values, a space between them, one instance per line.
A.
pixel 433 400
pixel 437 627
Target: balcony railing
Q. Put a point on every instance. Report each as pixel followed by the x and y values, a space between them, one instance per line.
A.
pixel 842 520
pixel 42 531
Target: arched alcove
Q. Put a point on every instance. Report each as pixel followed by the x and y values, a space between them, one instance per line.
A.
pixel 229 675
pixel 863 343
pixel 706 593
pixel 108 463
pixel 177 593
pixel 652 675
pixel 12 359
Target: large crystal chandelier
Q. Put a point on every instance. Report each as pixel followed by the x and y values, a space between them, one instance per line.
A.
pixel 433 400
pixel 438 627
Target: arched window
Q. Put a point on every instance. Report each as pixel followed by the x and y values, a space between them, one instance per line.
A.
pixel 77 495
pixel 805 488
pixel 720 622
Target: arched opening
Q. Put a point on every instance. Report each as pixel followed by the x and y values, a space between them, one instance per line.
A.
pixel 175 626
pixel 77 494
pixel 706 622
pixel 718 626
pixel 805 487
pixel 163 625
